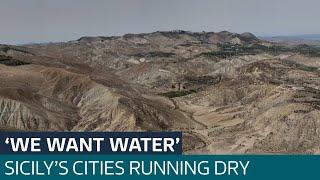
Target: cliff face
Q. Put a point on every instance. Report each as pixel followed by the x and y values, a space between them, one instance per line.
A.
pixel 228 93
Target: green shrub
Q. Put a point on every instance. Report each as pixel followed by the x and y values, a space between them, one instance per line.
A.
pixel 173 94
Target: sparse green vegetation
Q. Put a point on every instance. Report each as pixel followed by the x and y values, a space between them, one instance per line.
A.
pixel 173 94
pixel 312 51
pixel 154 54
pixel 316 92
pixel 300 66
pixel 300 96
pixel 9 61
pixel 7 48
pixel 230 50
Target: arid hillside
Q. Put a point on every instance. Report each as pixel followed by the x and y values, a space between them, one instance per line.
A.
pixel 229 93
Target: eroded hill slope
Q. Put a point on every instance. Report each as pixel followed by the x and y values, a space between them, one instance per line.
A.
pixel 228 92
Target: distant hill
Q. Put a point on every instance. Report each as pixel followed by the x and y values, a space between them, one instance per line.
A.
pixel 301 37
pixel 310 39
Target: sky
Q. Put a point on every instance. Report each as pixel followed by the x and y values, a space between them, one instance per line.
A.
pixel 31 21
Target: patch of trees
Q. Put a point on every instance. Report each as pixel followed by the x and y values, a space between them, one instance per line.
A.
pixel 154 54
pixel 228 50
pixel 9 61
pixel 312 51
pixel 7 48
pixel 300 66
pixel 203 80
pixel 173 94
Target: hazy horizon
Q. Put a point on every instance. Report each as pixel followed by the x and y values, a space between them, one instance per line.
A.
pixel 301 36
pixel 41 21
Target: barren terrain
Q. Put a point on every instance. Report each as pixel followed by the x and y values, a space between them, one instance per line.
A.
pixel 229 93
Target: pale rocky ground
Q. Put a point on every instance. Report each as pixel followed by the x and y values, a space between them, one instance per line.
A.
pixel 258 103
